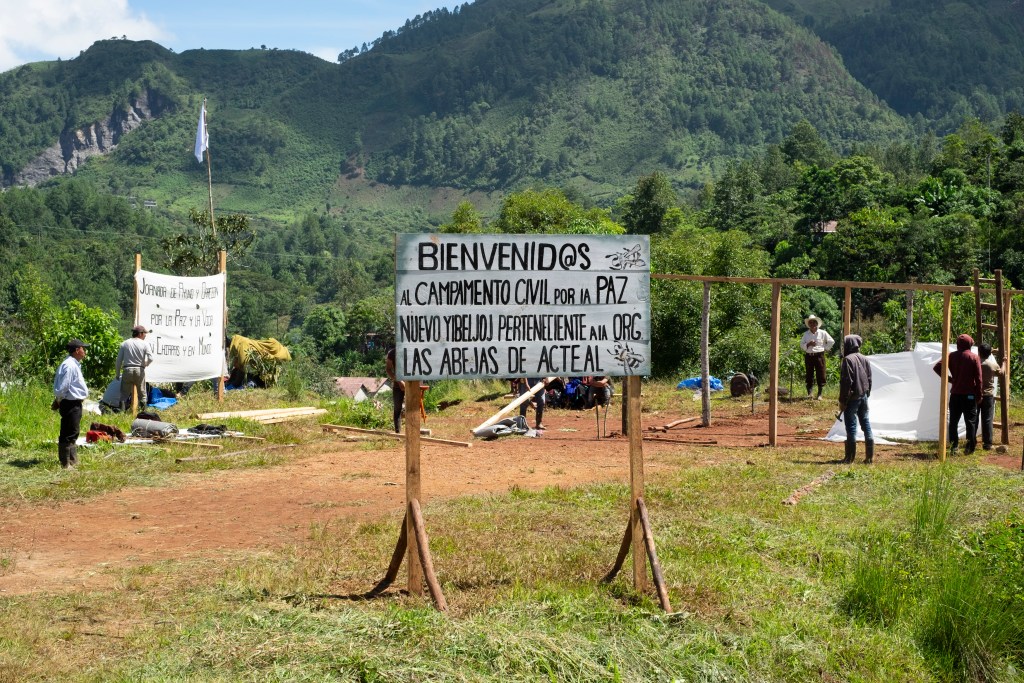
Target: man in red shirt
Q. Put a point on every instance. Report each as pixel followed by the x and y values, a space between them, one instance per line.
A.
pixel 964 393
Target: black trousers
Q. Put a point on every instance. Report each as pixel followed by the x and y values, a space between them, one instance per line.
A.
pixel 398 396
pixel 540 397
pixel 963 405
pixel 70 422
pixel 814 367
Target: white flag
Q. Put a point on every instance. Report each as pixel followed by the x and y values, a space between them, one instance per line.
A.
pixel 202 136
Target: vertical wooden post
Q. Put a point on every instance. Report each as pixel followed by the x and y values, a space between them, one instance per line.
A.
pixel 908 341
pixel 1004 384
pixel 773 369
pixel 705 370
pixel 947 298
pixel 138 267
pixel 412 482
pixel 222 266
pixel 847 308
pixel 636 484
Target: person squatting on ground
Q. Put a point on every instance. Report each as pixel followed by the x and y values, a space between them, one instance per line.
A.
pixel 990 370
pixel 397 390
pixel 525 384
pixel 854 389
pixel 69 390
pixel 964 392
pixel 133 357
pixel 815 343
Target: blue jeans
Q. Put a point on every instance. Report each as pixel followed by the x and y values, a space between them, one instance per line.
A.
pixel 857 409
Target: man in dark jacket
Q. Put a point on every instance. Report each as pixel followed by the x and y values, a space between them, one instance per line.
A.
pixel 854 389
pixel 965 391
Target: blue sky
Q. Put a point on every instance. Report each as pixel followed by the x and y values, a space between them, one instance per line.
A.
pixel 35 30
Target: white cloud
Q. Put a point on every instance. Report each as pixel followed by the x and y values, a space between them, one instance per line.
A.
pixel 33 30
pixel 328 54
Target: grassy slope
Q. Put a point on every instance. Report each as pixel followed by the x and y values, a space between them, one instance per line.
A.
pixel 757 588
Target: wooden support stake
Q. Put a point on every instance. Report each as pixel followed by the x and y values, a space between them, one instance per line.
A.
pixel 427 564
pixel 705 371
pixel 652 557
pixel 773 382
pixel 396 561
pixel 625 406
pixel 943 378
pixel 636 483
pixel 620 559
pixel 412 484
pixel 1004 357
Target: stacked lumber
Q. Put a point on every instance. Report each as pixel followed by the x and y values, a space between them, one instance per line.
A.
pixel 268 416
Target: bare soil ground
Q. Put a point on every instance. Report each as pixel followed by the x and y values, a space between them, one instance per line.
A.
pixel 69 546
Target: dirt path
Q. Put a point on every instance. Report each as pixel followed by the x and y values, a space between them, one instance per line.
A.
pixel 68 546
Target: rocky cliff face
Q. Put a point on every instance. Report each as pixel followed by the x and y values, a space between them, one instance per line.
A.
pixel 75 146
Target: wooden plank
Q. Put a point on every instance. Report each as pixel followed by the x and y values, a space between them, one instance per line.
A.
pixel 693 442
pixel 380 432
pixel 847 313
pixel 245 438
pixel 289 418
pixel 191 442
pixel 676 423
pixel 250 413
pixel 235 454
pixel 908 339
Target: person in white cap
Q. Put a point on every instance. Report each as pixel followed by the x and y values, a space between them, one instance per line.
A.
pixel 815 343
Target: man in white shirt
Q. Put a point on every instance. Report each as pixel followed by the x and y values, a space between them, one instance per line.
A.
pixel 815 343
pixel 133 358
pixel 69 390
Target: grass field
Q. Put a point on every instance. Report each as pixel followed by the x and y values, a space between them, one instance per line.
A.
pixel 907 570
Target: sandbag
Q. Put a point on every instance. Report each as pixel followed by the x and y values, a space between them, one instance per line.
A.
pixel 150 429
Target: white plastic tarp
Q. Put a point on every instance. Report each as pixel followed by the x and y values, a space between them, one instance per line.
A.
pixel 904 403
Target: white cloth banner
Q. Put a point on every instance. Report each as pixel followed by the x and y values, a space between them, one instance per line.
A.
pixel 186 316
pixel 904 402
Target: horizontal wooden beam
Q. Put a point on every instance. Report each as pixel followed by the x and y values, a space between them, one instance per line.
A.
pixel 393 435
pixel 841 284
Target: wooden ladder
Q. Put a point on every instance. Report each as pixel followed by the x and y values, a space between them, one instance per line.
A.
pixel 998 332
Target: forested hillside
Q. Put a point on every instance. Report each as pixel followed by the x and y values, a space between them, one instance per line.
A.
pixel 728 131
pixel 943 60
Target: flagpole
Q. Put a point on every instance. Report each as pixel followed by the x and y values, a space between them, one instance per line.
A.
pixel 209 176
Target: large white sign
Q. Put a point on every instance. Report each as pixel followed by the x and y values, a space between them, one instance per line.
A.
pixel 493 306
pixel 186 316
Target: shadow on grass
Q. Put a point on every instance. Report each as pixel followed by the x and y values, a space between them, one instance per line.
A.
pixel 25 463
pixel 490 397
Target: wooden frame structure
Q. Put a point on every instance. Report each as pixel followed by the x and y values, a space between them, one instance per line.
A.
pixel 1004 297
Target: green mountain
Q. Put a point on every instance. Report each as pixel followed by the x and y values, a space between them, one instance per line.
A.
pixel 942 59
pixel 495 95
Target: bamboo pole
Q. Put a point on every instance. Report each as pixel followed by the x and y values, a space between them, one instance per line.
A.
pixel 412 483
pixel 636 483
pixel 222 264
pixel 511 406
pixel 426 563
pixel 705 371
pixel 943 378
pixel 773 382
pixel 135 392
pixel 209 174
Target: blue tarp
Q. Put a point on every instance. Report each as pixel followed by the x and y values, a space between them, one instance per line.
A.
pixel 694 383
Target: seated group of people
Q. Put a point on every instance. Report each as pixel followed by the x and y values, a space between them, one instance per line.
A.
pixel 576 393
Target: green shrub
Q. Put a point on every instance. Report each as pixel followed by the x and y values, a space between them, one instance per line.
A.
pixel 366 414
